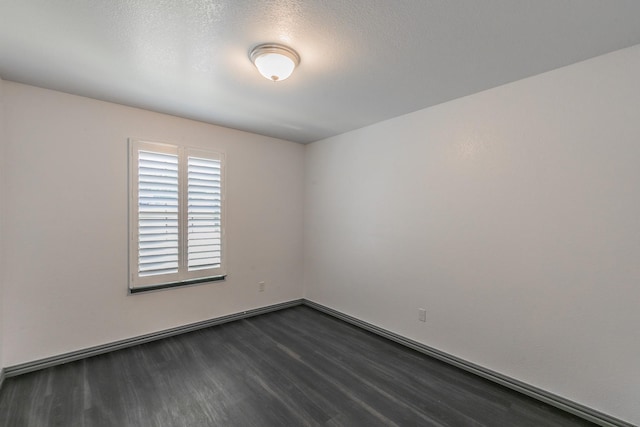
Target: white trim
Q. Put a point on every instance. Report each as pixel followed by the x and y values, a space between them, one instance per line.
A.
pixel 36 365
pixel 566 405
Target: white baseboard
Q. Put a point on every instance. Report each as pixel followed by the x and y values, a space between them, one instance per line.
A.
pixel 60 359
pixel 529 390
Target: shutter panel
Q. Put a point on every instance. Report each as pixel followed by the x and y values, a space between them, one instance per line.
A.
pixel 204 214
pixel 158 213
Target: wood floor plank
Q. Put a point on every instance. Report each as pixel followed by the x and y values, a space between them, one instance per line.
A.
pixel 294 367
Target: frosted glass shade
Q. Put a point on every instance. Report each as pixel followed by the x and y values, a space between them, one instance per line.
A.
pixel 274 62
pixel 274 66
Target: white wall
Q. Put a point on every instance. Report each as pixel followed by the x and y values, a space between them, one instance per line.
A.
pixel 66 224
pixel 512 216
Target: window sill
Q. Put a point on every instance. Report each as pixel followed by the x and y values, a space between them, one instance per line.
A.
pixel 177 284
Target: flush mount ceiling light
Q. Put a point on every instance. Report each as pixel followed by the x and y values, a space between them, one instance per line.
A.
pixel 274 61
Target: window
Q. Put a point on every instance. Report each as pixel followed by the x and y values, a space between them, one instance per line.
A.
pixel 176 216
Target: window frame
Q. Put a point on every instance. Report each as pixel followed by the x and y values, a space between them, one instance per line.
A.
pixel 183 276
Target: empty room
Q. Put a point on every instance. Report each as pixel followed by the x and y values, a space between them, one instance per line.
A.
pixel 319 213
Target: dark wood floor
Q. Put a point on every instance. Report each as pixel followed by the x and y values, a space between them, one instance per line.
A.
pixel 295 367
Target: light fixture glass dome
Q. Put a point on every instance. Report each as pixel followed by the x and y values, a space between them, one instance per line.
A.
pixel 274 61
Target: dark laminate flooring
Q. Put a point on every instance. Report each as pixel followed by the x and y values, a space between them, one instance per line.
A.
pixel 294 367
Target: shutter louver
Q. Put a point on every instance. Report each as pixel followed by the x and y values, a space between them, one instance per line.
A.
pixel 204 214
pixel 158 227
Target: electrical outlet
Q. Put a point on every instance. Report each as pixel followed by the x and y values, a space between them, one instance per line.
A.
pixel 261 286
pixel 422 315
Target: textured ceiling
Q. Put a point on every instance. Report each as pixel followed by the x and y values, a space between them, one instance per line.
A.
pixel 362 61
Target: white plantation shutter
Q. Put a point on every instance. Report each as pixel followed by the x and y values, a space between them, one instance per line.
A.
pixel 176 215
pixel 158 226
pixel 204 194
